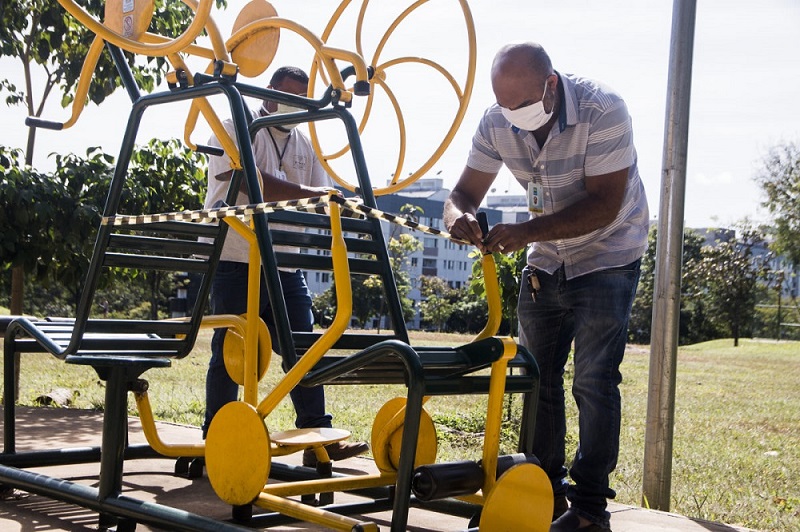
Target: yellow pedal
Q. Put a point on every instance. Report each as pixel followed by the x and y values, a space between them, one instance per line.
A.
pixel 311 437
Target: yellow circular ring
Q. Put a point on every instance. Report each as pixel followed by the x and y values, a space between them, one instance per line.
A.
pixel 463 94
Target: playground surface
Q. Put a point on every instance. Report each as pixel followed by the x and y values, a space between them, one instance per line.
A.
pixel 151 480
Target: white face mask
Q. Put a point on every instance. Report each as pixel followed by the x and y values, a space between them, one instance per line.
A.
pixel 283 109
pixel 531 117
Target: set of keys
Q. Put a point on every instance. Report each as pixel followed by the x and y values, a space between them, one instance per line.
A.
pixel 533 285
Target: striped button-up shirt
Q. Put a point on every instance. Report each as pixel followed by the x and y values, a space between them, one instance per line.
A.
pixel 593 137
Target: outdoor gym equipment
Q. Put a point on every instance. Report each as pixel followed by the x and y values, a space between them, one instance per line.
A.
pixel 347 239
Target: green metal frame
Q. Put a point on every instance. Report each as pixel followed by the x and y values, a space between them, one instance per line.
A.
pixel 122 350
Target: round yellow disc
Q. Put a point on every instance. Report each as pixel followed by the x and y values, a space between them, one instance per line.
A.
pixel 237 453
pixel 129 18
pixel 256 51
pixel 386 444
pixel 523 482
pixel 233 352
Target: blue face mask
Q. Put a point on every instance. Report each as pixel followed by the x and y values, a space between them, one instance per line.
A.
pixel 531 117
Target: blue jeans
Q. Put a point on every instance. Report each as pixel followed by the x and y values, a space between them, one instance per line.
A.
pixel 593 311
pixel 229 296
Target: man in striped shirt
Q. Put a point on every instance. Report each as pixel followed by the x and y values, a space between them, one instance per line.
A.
pixel 569 142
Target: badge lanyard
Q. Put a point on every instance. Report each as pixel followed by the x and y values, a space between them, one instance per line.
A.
pixel 280 173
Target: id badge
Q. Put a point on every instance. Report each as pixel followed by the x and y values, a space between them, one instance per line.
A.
pixel 280 174
pixel 535 204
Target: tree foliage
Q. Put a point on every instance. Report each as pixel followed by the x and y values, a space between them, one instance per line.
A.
pixel 728 274
pixel 48 222
pixel 41 34
pixel 30 206
pixel 438 301
pixel 369 298
pixel 693 326
pixel 780 180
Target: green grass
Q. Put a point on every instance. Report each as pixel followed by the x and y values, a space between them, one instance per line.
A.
pixel 737 421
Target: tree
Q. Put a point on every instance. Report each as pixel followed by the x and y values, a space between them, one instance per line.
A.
pixel 84 182
pixel 437 305
pixel 780 180
pixel 401 246
pixel 28 202
pixel 368 292
pixel 693 325
pixel 728 274
pixel 323 306
pixel 48 222
pixel 40 33
pixel 162 177
pixel 368 297
pixel 470 312
pixel 400 251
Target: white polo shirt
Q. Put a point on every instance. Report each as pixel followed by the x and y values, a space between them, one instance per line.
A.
pixel 297 159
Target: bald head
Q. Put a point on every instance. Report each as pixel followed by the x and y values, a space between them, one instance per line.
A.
pixel 526 59
pixel 519 71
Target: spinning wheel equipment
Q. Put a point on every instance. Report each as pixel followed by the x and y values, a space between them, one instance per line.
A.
pixel 380 82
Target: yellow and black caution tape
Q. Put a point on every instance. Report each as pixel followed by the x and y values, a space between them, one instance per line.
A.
pixel 350 207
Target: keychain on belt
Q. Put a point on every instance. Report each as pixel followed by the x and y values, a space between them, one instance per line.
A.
pixel 533 285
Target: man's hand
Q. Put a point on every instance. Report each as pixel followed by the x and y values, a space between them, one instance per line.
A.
pixel 466 227
pixel 463 203
pixel 322 191
pixel 506 238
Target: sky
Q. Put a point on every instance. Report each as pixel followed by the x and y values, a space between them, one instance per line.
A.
pixel 746 74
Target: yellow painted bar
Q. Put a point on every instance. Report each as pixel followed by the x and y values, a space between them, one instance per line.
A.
pixel 344 302
pixel 324 485
pixel 85 79
pixel 492 298
pixel 253 304
pixel 192 49
pixel 494 413
pixel 310 514
pixel 212 32
pixel 153 439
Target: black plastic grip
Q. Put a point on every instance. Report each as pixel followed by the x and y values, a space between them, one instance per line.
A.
pixel 483 222
pixel 210 150
pixel 32 121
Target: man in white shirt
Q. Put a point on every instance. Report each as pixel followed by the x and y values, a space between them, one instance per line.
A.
pixel 289 169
